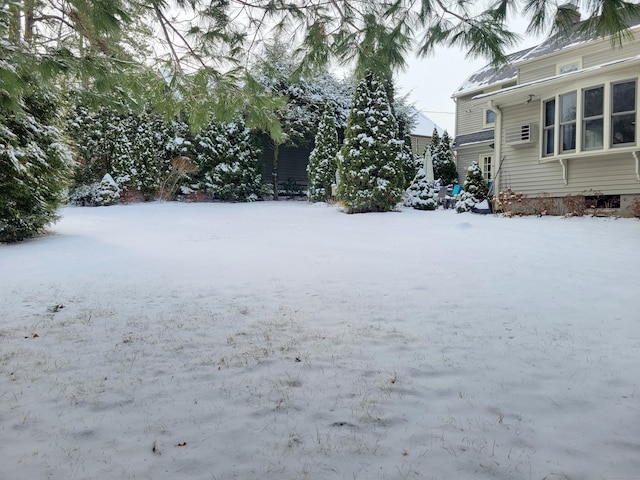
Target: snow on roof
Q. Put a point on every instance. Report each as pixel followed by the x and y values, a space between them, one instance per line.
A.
pixel 424 126
pixel 613 63
pixel 488 75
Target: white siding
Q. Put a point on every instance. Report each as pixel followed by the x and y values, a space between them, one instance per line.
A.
pixel 606 54
pixel 469 115
pixel 465 156
pixel 522 170
pixel 536 71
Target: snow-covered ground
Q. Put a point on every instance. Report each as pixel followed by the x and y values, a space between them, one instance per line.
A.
pixel 291 341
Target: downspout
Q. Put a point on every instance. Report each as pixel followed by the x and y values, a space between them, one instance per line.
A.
pixel 637 159
pixel 497 146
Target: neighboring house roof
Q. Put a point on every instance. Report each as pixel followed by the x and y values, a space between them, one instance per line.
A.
pixel 471 138
pixel 424 126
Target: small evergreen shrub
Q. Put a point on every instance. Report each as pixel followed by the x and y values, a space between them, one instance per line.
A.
pixel 421 194
pixel 475 189
pixel 104 192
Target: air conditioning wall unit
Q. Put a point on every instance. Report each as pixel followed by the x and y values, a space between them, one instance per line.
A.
pixel 519 135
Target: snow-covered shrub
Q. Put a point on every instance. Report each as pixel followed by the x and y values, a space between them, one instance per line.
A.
pixel 35 164
pixel 135 148
pixel 475 189
pixel 421 194
pixel 371 157
pixel 104 192
pixel 322 160
pixel 227 159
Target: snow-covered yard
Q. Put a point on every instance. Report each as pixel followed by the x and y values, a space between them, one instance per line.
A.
pixel 290 341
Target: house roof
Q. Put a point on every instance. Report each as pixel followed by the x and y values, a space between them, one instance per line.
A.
pixel 424 126
pixel 490 76
pixel 613 65
pixel 473 138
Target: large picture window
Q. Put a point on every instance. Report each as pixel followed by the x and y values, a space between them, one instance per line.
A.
pixel 623 113
pixel 593 118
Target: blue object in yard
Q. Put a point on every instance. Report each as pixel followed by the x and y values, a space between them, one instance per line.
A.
pixel 456 190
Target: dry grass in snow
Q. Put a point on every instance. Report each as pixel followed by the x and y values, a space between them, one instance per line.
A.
pixel 289 341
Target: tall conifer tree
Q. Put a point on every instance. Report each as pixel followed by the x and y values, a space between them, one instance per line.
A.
pixel 370 162
pixel 322 160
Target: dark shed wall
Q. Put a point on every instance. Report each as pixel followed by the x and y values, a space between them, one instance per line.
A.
pixel 292 163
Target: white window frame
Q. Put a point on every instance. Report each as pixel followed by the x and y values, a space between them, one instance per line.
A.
pixel 608 115
pixel 593 118
pixel 482 158
pixel 486 124
pixel 569 66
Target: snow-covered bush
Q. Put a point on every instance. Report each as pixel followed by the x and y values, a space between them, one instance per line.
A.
pixel 475 189
pixel 322 160
pixel 136 149
pixel 35 163
pixel 104 192
pixel 371 158
pixel 227 159
pixel 421 194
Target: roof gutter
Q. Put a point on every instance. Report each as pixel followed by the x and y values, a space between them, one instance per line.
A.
pixel 516 90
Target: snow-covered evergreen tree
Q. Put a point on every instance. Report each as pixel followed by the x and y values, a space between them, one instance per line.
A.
pixel 137 164
pixel 322 160
pixel 371 158
pixel 434 145
pixel 35 163
pixel 444 168
pixel 421 194
pixel 137 149
pixel 411 163
pixel 475 189
pixel 227 160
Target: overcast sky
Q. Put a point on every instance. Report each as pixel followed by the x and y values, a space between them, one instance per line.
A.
pixel 431 81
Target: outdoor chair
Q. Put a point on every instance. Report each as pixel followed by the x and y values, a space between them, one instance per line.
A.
pixel 442 197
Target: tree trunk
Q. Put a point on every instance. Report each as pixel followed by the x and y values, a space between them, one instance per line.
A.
pixel 29 20
pixel 274 172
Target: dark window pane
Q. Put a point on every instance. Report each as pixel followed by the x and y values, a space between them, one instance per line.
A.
pixel 623 129
pixel 593 135
pixel 549 113
pixel 548 141
pixel 568 107
pixel 624 97
pixel 568 133
pixel 593 102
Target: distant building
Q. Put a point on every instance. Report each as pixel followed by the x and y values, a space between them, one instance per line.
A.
pixel 421 133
